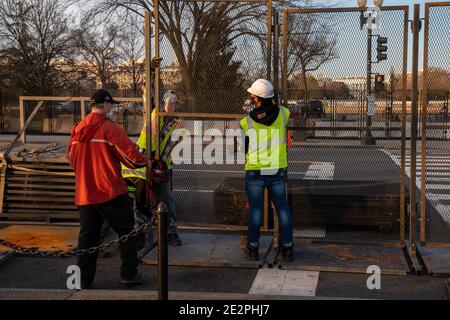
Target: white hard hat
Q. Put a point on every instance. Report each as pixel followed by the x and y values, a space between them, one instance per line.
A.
pixel 170 97
pixel 262 88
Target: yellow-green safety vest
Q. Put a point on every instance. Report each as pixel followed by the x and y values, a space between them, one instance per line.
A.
pixel 142 144
pixel 268 144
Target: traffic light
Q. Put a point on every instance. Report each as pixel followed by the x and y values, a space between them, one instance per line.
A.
pixel 382 49
pixel 379 82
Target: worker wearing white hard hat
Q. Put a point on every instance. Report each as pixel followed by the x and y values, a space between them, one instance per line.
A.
pixel 266 166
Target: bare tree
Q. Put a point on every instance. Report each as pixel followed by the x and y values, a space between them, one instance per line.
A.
pixel 34 37
pixel 192 29
pixel 131 49
pixel 97 51
pixel 311 44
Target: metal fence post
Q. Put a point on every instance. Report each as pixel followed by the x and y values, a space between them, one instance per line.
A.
pixel 22 119
pixel 423 196
pixel 163 257
pixel 276 52
pixel 148 79
pixel 414 124
pixel 157 75
pixel 269 39
pixel 83 109
pixel 285 58
pixel 403 129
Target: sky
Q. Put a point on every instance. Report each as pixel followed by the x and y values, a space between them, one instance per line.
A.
pixel 352 42
pixel 439 41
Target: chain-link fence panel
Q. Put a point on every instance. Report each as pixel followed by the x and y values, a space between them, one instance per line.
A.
pixel 433 159
pixel 212 52
pixel 345 165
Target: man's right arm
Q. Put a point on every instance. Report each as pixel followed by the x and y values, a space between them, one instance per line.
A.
pixel 126 150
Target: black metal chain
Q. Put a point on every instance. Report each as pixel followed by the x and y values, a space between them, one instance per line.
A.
pixel 75 252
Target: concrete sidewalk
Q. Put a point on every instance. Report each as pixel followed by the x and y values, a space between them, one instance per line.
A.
pixel 38 294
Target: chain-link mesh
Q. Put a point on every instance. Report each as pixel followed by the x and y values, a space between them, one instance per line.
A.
pixel 212 51
pixel 339 187
pixel 437 170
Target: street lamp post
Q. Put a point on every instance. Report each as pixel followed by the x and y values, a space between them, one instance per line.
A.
pixel 368 139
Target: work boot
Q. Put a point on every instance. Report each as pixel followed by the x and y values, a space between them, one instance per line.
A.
pixel 287 254
pixel 174 240
pixel 140 242
pixel 136 280
pixel 252 252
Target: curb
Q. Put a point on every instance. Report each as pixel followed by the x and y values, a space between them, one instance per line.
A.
pixel 40 294
pixel 447 290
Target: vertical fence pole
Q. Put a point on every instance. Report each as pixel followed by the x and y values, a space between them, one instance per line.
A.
pixel 403 129
pixel 157 74
pixel 414 124
pixel 269 39
pixel 423 187
pixel 276 51
pixel 285 58
pixel 163 254
pixel 148 79
pixel 83 109
pixel 23 138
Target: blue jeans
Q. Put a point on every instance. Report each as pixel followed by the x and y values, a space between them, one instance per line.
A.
pixel 164 193
pixel 276 184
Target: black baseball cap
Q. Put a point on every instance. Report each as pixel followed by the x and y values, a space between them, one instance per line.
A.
pixel 102 96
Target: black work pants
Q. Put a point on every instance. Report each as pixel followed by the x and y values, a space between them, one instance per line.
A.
pixel 119 215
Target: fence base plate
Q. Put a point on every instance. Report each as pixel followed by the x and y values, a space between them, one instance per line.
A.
pixel 204 249
pixel 436 260
pixel 346 258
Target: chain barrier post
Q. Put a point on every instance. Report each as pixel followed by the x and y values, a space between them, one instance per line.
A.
pixel 163 257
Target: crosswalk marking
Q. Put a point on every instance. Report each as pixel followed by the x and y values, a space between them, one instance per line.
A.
pixel 311 232
pixel 317 171
pixel 437 177
pixel 320 171
pixel 285 283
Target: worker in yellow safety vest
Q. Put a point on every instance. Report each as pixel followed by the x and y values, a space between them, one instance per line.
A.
pixel 265 131
pixel 136 178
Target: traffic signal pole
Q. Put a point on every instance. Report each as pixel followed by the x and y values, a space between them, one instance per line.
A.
pixel 368 139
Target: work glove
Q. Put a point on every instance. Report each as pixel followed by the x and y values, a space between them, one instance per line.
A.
pixel 156 63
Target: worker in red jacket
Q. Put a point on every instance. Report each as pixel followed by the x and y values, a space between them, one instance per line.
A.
pixel 96 150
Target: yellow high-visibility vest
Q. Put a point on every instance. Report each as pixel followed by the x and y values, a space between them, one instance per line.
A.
pixel 268 144
pixel 142 144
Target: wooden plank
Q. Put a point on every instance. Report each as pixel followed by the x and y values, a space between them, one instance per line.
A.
pixel 31 206
pixel 44 213
pixel 45 166
pixel 11 199
pixel 46 187
pixel 75 99
pixel 43 179
pixel 48 175
pixel 46 192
